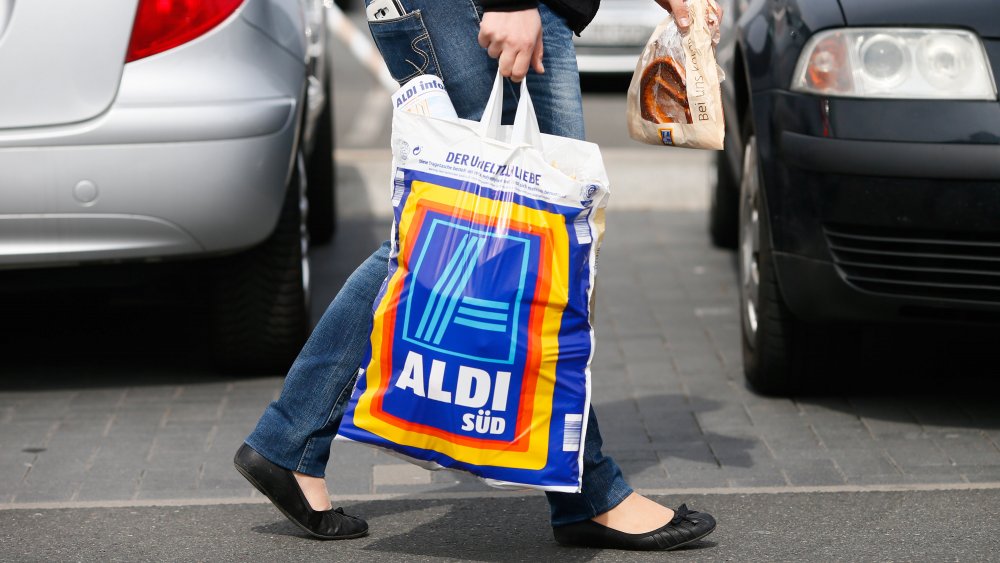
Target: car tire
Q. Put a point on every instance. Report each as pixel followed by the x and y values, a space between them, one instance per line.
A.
pixel 724 209
pixel 774 342
pixel 260 301
pixel 322 175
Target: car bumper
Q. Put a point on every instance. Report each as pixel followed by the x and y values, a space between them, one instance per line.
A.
pixel 146 182
pixel 874 230
pixel 612 42
pixel 597 61
pixel 943 161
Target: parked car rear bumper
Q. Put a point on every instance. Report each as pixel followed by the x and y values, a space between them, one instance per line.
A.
pixel 606 61
pixel 146 182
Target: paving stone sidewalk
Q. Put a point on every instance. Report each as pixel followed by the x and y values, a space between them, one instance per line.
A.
pixel 668 389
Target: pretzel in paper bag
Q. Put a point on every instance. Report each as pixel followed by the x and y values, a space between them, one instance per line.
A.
pixel 674 97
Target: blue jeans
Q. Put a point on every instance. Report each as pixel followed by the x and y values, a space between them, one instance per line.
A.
pixel 436 37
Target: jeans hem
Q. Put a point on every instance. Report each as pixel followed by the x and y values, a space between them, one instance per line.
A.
pixel 301 467
pixel 608 504
pixel 266 455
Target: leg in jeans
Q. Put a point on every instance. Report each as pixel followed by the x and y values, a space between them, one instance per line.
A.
pixel 296 430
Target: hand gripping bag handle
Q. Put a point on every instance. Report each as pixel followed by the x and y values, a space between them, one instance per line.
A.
pixel 525 130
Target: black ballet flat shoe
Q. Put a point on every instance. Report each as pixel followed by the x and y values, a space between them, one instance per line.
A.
pixel 686 526
pixel 279 485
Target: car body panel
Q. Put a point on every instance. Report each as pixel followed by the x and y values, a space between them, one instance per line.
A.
pixel 980 15
pixel 759 53
pixel 992 47
pixel 910 174
pixel 200 198
pixel 935 220
pixel 923 121
pixel 52 73
pixel 283 21
pixel 772 33
pixel 150 123
pixel 192 154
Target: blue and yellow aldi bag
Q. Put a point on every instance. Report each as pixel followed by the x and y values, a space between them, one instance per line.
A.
pixel 482 337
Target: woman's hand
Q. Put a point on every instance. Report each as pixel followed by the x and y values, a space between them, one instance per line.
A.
pixel 683 18
pixel 680 11
pixel 515 38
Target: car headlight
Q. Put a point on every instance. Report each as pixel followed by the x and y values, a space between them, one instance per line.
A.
pixel 895 63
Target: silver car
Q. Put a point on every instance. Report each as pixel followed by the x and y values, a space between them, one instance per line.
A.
pixel 611 44
pixel 155 130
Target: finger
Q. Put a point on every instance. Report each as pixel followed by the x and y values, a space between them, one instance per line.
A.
pixel 495 49
pixel 537 55
pixel 484 38
pixel 680 11
pixel 506 63
pixel 714 12
pixel 520 67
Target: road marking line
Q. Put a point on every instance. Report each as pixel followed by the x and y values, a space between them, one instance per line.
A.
pixel 900 488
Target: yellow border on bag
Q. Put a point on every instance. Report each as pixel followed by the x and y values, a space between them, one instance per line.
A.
pixel 536 455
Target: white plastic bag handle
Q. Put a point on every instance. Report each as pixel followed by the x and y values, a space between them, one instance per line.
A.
pixel 525 130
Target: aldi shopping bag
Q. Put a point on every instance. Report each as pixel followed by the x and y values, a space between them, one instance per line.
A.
pixel 482 338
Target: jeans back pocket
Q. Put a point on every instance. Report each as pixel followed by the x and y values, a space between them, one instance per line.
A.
pixel 405 46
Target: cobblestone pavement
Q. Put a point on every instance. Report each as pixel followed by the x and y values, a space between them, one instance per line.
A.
pixel 668 388
pixel 109 398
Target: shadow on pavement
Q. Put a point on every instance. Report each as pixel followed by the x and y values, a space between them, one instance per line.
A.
pixel 937 376
pixel 487 529
pixel 895 369
pixel 93 336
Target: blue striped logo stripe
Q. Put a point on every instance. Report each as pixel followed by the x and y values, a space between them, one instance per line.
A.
pixel 488 315
pixel 436 291
pixel 483 326
pixel 453 280
pixel 485 303
pixel 479 244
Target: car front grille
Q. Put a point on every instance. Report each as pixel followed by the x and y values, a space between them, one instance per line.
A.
pixel 935 266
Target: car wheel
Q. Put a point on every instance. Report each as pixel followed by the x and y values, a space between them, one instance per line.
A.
pixel 769 356
pixel 322 175
pixel 724 210
pixel 260 302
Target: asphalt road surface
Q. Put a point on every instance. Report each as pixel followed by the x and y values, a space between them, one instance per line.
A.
pixel 116 436
pixel 871 526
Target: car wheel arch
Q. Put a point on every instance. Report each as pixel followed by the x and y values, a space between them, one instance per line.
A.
pixel 742 106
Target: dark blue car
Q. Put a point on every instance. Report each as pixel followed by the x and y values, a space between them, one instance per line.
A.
pixel 861 177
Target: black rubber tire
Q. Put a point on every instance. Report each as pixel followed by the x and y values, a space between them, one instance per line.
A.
pixel 724 210
pixel 260 309
pixel 322 176
pixel 769 360
pixel 773 358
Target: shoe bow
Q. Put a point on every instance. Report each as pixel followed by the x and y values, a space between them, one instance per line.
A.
pixel 683 514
